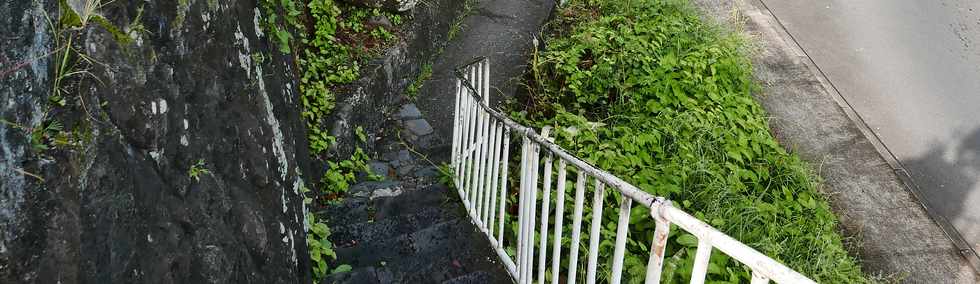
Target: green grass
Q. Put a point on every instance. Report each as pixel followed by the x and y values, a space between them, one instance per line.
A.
pixel 646 90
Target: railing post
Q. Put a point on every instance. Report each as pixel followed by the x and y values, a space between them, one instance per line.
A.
pixel 659 245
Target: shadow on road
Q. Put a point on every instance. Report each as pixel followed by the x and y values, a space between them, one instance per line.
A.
pixel 947 176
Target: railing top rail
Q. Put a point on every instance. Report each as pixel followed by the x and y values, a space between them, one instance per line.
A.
pixel 627 189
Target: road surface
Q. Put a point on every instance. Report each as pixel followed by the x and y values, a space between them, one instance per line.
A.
pixel 911 70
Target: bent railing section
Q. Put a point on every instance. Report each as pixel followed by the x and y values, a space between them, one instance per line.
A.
pixel 480 153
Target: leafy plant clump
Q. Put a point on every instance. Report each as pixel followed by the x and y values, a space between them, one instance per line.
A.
pixel 197 170
pixel 424 75
pixel 646 90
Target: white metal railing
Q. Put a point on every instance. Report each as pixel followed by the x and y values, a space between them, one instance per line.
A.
pixel 480 152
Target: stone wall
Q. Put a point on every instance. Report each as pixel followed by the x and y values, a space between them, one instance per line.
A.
pixel 180 84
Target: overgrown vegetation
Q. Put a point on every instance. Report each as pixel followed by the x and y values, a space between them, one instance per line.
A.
pixel 646 90
pixel 331 42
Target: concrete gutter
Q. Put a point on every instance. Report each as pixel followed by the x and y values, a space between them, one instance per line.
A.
pixel 891 232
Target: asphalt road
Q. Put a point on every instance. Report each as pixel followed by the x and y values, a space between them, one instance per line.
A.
pixel 911 70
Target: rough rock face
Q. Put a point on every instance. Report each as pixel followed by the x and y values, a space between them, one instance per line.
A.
pixel 195 81
pixel 373 98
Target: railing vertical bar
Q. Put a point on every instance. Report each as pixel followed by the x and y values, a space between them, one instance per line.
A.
pixel 503 187
pixel 495 173
pixel 622 231
pixel 658 247
pixel 486 85
pixel 559 212
pixel 477 136
pixel 522 208
pixel 545 202
pixel 485 148
pixel 477 153
pixel 485 190
pixel 456 115
pixel 460 156
pixel 758 278
pixel 532 204
pixel 471 138
pixel 491 175
pixel 701 258
pixel 594 235
pixel 482 169
pixel 576 226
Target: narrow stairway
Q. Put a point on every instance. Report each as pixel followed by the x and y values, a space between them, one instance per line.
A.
pixel 409 228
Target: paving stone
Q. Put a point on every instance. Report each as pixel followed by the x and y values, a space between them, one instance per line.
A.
pixel 389 156
pixel 404 156
pixel 430 171
pixel 409 111
pixel 379 168
pixel 405 169
pixel 418 127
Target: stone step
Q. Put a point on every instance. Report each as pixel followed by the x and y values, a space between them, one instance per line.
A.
pixel 480 277
pixel 394 198
pixel 442 252
pixel 388 227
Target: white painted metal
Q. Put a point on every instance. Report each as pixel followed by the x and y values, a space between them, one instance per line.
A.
pixel 485 128
pixel 492 174
pixel 701 262
pixel 481 116
pixel 597 198
pixel 545 202
pixel 659 245
pixel 757 278
pixel 559 214
pixel 522 215
pixel 456 116
pixel 576 227
pixel 464 111
pixel 532 204
pixel 622 233
pixel 503 188
pixel 480 154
